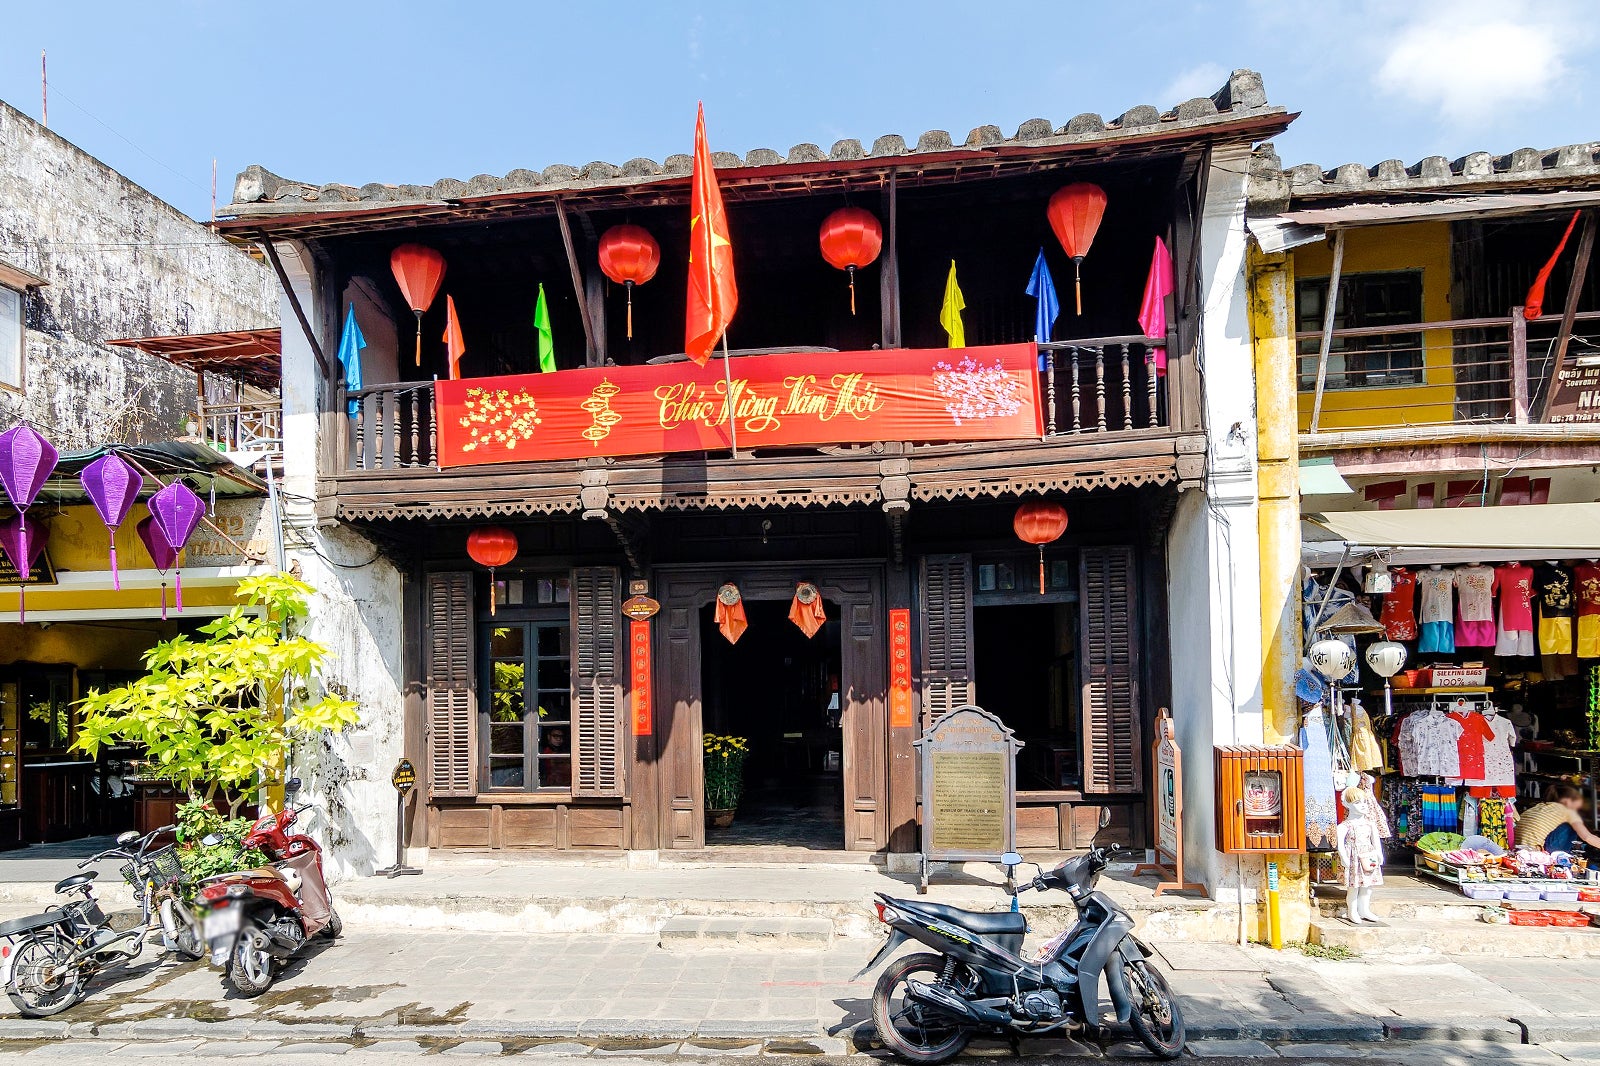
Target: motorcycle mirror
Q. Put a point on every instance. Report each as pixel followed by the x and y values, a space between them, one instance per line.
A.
pixel 1105 817
pixel 211 840
pixel 124 839
pixel 291 787
pixel 1011 858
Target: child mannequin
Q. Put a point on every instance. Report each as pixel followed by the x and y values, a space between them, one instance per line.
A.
pixel 1360 857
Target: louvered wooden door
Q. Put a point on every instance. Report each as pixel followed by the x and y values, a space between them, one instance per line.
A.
pixel 452 709
pixel 945 606
pixel 599 763
pixel 1109 639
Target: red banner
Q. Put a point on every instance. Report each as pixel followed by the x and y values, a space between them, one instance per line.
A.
pixel 639 655
pixel 923 395
pixel 900 668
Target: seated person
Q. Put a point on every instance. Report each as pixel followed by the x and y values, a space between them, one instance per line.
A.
pixel 1556 824
pixel 555 772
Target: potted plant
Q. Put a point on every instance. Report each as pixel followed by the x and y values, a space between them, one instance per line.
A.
pixel 724 762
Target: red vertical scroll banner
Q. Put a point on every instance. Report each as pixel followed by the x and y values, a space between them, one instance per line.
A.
pixel 900 668
pixel 639 655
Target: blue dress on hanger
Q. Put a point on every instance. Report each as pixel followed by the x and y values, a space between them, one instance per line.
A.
pixel 1322 813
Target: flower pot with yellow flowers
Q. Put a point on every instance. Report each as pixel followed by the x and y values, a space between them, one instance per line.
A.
pixel 724 764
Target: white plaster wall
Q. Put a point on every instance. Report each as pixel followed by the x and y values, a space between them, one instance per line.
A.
pixel 356 614
pixel 1212 549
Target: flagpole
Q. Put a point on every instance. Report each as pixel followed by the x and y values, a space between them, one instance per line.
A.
pixel 727 376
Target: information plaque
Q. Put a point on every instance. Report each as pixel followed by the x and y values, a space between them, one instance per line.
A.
pixel 969 789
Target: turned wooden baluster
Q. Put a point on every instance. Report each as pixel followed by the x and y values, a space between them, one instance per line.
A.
pixel 416 427
pixel 433 432
pixel 1077 400
pixel 1100 387
pixel 1127 392
pixel 1150 386
pixel 1049 358
pixel 370 417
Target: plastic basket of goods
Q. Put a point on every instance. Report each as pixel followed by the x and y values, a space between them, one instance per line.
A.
pixel 1522 892
pixel 1440 844
pixel 1530 918
pixel 1483 890
pixel 1589 895
pixel 1568 919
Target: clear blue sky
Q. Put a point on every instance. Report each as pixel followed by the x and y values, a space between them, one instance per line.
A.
pixel 411 92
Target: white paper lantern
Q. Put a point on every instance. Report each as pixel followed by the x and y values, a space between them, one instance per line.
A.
pixel 1386 658
pixel 1331 658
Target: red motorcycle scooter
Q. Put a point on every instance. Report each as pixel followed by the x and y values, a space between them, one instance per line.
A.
pixel 255 920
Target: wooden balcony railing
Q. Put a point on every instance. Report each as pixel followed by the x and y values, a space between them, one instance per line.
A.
pixel 1461 371
pixel 1092 386
pixel 245 426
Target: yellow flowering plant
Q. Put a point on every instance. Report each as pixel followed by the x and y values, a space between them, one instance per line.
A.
pixel 724 761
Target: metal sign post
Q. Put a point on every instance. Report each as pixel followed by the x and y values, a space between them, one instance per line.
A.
pixel 404 780
pixel 969 790
pixel 1168 852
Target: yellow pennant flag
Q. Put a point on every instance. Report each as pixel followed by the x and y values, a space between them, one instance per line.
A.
pixel 950 313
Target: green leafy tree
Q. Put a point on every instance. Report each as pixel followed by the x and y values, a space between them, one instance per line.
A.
pixel 217 714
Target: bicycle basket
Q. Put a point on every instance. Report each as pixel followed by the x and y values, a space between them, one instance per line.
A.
pixel 162 866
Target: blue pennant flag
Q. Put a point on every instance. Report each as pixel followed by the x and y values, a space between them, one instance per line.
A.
pixel 350 344
pixel 1043 288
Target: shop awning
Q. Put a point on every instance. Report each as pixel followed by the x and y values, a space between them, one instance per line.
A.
pixel 1454 534
pixel 254 356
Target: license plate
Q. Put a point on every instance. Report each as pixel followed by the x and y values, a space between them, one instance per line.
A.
pixel 221 923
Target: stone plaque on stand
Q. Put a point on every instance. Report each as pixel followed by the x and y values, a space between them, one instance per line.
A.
pixel 969 790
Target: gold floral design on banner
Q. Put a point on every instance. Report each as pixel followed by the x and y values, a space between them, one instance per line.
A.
pixel 498 417
pixel 599 407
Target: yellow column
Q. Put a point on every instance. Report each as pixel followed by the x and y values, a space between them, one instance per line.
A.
pixel 1278 528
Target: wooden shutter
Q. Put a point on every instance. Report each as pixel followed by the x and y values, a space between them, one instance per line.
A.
pixel 597 705
pixel 946 607
pixel 452 711
pixel 1109 635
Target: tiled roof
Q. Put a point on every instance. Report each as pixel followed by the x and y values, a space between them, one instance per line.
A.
pixel 258 192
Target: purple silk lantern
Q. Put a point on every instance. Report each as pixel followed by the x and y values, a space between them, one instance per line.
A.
pixel 26 460
pixel 161 553
pixel 23 544
pixel 177 511
pixel 113 485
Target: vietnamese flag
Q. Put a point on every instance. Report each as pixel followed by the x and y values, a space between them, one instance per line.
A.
pixel 713 296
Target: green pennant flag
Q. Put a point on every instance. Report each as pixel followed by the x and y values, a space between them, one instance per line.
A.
pixel 541 325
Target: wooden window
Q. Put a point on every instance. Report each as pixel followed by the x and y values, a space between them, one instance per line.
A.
pixel 1391 298
pixel 525 713
pixel 1113 757
pixel 451 721
pixel 945 605
pixel 11 338
pixel 597 690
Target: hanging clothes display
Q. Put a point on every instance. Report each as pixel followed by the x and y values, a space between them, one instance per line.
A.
pixel 1475 603
pixel 1322 815
pixel 1399 616
pixel 1436 588
pixel 1513 583
pixel 1552 585
pixel 1493 820
pixel 1586 583
pixel 1469 745
pixel 1402 802
pixel 1499 764
pixel 1365 753
pixel 1429 745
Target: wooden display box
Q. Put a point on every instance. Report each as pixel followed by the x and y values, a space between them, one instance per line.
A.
pixel 1260 799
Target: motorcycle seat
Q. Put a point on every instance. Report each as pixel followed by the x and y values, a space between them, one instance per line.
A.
pixel 990 922
pixel 18 926
pixel 258 871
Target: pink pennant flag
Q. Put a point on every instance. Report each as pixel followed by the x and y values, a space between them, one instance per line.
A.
pixel 1153 308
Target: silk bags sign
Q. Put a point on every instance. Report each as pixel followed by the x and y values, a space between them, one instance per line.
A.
pixel 924 395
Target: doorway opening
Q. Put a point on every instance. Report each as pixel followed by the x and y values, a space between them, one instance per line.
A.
pixel 1027 674
pixel 780 690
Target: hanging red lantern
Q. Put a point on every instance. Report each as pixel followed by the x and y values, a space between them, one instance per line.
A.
pixel 419 271
pixel 851 237
pixel 629 256
pixel 1040 522
pixel 492 546
pixel 1075 212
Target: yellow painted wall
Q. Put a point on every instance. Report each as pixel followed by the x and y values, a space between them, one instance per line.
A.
pixel 1421 246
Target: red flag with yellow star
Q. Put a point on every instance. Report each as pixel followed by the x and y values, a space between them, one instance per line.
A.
pixel 713 296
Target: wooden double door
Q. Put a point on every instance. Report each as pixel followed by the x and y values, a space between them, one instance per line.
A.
pixel 858 593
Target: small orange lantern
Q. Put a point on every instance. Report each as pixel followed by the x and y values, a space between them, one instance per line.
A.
pixel 1040 522
pixel 492 546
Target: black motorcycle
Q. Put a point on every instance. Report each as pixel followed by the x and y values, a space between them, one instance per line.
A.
pixel 928 1006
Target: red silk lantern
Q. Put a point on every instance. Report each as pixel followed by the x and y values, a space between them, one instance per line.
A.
pixel 629 256
pixel 851 237
pixel 492 546
pixel 1040 522
pixel 1075 212
pixel 419 271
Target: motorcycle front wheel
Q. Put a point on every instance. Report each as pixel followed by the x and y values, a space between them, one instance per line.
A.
pixel 42 981
pixel 909 1029
pixel 251 964
pixel 1156 1017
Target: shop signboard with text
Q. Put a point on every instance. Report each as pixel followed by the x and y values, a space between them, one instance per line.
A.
pixel 924 395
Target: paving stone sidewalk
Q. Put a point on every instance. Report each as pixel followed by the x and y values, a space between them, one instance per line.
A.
pixel 625 993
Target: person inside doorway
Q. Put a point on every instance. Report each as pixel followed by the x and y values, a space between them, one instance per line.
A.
pixel 555 757
pixel 1557 823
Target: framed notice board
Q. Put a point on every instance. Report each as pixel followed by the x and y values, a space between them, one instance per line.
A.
pixel 969 789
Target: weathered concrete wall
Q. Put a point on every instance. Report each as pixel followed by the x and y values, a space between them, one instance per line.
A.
pixel 120 263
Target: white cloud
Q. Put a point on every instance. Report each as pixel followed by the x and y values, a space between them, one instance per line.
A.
pixel 1476 63
pixel 1200 80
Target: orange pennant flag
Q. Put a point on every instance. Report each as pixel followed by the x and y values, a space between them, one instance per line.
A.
pixel 713 296
pixel 455 345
